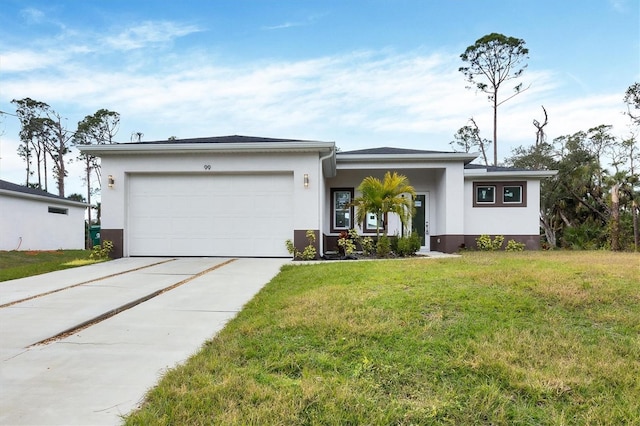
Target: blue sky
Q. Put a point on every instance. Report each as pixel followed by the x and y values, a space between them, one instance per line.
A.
pixel 360 73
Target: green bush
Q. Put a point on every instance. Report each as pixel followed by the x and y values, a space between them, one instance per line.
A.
pixel 309 252
pixel 101 252
pixel 367 245
pixel 484 242
pixel 346 244
pixel 409 245
pixel 383 247
pixel 513 245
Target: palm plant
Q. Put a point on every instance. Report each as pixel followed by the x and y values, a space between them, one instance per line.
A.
pixel 386 196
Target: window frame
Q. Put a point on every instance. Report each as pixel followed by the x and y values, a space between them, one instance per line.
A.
pixel 383 229
pixel 499 194
pixel 504 200
pixel 477 188
pixel 334 227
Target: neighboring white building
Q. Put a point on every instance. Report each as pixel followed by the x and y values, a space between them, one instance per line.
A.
pixel 244 196
pixel 31 219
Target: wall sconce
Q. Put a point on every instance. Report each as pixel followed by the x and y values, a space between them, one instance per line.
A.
pixel 111 181
pixel 306 180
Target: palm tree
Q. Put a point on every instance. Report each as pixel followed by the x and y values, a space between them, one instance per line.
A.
pixel 386 196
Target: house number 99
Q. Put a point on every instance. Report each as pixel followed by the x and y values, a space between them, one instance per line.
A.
pixel 207 166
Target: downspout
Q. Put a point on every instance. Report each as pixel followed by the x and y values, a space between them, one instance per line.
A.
pixel 321 200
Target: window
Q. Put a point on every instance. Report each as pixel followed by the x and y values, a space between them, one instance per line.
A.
pixel 486 194
pixel 370 223
pixel 499 194
pixel 512 194
pixel 342 211
pixel 58 210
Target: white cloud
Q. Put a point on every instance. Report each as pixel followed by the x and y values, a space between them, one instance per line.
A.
pixel 148 32
pixel 33 15
pixel 283 26
pixel 25 60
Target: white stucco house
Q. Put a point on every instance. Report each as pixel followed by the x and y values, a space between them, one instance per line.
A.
pixel 32 219
pixel 244 196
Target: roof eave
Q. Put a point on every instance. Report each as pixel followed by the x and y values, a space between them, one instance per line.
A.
pixel 195 148
pixel 537 174
pixel 44 198
pixel 374 158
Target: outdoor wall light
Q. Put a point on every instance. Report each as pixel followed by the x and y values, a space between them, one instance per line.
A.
pixel 306 180
pixel 111 181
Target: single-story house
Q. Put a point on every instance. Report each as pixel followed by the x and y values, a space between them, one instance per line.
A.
pixel 32 219
pixel 245 196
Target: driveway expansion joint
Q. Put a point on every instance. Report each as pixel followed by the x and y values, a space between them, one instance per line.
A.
pixel 26 299
pixel 98 319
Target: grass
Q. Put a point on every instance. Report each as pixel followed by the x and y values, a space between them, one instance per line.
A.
pixel 489 338
pixel 21 264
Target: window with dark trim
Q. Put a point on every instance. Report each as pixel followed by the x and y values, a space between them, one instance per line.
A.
pixel 512 194
pixel 341 209
pixel 58 210
pixel 485 194
pixel 500 194
pixel 370 223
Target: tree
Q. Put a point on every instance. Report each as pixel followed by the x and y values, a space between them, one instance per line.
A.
pixel 33 137
pixel 493 60
pixel 632 99
pixel 468 137
pixel 76 197
pixel 540 135
pixel 43 135
pixel 99 128
pixel 383 197
pixel 590 203
pixel 58 147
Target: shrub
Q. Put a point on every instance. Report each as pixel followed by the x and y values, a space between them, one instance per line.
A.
pixel 345 243
pixel 383 247
pixel 309 252
pixel 101 252
pixel 409 245
pixel 484 242
pixel 367 245
pixel 513 245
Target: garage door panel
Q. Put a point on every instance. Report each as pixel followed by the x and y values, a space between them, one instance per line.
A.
pixel 210 215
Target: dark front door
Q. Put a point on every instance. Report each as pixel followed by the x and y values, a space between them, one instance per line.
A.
pixel 419 217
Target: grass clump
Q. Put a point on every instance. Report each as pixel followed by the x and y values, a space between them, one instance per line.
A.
pixel 489 338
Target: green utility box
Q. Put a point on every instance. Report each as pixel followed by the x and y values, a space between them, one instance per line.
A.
pixel 94 234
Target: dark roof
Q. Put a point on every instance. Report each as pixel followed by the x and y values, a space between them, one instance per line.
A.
pixel 497 168
pixel 390 151
pixel 221 139
pixel 8 186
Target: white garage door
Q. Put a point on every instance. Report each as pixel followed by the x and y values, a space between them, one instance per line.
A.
pixel 210 215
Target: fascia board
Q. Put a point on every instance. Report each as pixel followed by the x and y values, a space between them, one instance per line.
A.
pixel 537 174
pixel 381 158
pixel 189 148
pixel 42 198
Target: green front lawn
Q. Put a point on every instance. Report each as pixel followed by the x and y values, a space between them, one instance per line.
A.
pixel 489 338
pixel 20 264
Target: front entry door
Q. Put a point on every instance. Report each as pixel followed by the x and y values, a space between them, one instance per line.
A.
pixel 421 219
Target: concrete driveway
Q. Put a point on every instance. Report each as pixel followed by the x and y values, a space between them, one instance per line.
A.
pixel 151 313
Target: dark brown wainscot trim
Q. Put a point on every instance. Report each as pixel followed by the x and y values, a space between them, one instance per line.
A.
pixel 116 236
pixel 446 243
pixel 300 240
pixel 531 242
